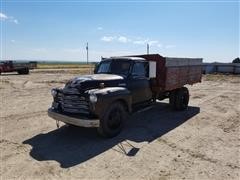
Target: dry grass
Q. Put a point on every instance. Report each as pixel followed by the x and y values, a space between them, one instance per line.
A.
pixel 64 66
pixel 222 77
pixel 75 71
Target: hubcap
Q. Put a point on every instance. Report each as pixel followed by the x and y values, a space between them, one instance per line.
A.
pixel 114 119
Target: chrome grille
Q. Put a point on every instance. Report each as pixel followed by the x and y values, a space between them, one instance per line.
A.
pixel 73 102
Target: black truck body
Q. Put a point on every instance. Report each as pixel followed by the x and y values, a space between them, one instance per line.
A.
pixel 121 86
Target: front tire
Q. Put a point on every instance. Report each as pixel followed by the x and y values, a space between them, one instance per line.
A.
pixel 112 122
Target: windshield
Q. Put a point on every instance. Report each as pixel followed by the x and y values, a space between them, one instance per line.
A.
pixel 104 67
pixel 119 67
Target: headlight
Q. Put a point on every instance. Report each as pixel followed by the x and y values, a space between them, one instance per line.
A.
pixel 54 92
pixel 93 98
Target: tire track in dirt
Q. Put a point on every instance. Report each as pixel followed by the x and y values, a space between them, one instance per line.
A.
pixel 24 84
pixel 210 98
pixel 231 124
pixel 13 148
pixel 24 116
pixel 198 155
pixel 221 102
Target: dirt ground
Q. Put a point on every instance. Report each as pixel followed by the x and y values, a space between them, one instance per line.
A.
pixel 200 143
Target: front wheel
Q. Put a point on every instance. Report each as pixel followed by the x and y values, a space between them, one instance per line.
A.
pixel 112 122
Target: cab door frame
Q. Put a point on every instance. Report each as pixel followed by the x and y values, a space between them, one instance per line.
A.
pixel 139 84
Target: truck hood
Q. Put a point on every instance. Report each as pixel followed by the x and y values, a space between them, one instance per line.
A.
pixel 98 77
pixel 93 81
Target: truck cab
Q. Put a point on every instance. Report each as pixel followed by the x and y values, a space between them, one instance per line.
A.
pixel 135 74
pixel 118 87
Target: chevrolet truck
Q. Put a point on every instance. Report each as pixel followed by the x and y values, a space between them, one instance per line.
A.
pixel 121 86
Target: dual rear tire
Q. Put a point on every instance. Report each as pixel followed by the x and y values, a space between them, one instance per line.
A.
pixel 179 99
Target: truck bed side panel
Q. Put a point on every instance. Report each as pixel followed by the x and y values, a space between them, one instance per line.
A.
pixel 177 77
pixel 173 73
pixel 182 71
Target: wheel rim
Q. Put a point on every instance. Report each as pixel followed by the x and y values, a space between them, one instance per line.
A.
pixel 115 118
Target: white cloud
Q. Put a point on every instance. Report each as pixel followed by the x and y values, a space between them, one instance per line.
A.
pixel 170 46
pixel 13 41
pixel 134 40
pixel 108 38
pixel 3 16
pixel 123 39
pixel 147 41
pixel 140 42
pixel 152 43
pixel 15 21
pixel 99 28
pixel 40 50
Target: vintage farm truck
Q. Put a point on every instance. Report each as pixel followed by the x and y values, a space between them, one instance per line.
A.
pixel 121 86
pixel 19 67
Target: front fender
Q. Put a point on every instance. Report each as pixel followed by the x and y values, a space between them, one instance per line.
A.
pixel 107 96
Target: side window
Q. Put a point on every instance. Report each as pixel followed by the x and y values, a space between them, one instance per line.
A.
pixel 139 69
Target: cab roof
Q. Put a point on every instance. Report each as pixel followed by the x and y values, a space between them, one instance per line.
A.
pixel 126 58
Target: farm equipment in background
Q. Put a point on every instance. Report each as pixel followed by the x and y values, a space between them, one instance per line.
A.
pixel 19 67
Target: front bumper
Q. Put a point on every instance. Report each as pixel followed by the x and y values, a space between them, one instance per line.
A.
pixel 73 120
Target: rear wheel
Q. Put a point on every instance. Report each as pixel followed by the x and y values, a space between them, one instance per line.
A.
pixel 179 99
pixel 23 71
pixel 112 122
pixel 172 99
pixel 26 71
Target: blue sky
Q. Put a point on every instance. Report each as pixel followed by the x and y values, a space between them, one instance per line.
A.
pixel 59 30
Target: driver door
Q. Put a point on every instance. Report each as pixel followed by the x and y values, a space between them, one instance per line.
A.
pixel 139 83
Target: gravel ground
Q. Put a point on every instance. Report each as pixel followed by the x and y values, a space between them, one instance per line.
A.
pixel 200 143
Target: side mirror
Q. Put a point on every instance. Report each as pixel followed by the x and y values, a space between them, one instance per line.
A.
pixel 152 69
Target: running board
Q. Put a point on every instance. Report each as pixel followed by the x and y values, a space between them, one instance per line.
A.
pixel 144 109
